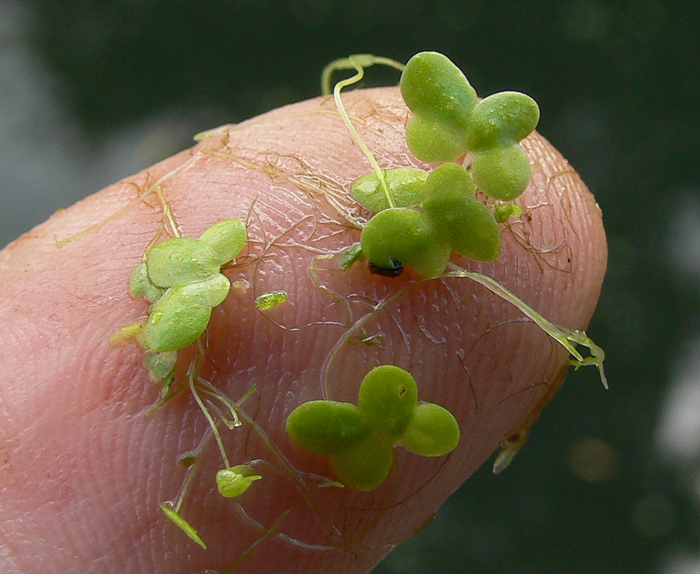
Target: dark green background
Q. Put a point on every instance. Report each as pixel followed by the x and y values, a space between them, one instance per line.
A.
pixel 618 86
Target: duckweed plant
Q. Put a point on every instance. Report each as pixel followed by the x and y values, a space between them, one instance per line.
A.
pixel 418 219
pixel 360 439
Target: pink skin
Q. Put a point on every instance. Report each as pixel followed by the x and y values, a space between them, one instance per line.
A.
pixel 84 468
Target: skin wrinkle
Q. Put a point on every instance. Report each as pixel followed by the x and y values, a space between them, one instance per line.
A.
pixel 251 183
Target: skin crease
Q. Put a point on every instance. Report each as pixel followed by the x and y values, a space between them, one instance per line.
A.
pixel 84 468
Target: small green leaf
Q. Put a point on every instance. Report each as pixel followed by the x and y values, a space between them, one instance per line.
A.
pixel 159 365
pixel 326 427
pixel 449 180
pixel 433 142
pixel 141 286
pixel 181 260
pixel 177 320
pixel 501 120
pixel 271 299
pixel 405 184
pixel 234 481
pixel 433 431
pixel 351 255
pixel 138 281
pixel 457 218
pixel 182 524
pixel 403 235
pixel 442 99
pixel 431 84
pixel 214 290
pixel 504 211
pixel 226 238
pixel 388 396
pixel 502 173
pixel 366 465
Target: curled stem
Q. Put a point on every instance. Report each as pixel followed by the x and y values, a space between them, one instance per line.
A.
pixel 364 60
pixel 359 62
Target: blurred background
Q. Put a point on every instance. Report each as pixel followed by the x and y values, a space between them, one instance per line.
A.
pixel 609 482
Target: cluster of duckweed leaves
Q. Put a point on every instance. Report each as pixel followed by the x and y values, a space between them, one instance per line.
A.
pixel 419 217
pixel 182 280
pixel 360 439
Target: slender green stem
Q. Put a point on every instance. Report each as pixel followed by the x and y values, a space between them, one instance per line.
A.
pixel 224 399
pixel 565 337
pixel 210 419
pixel 364 60
pixel 325 368
pixel 357 62
pixel 191 472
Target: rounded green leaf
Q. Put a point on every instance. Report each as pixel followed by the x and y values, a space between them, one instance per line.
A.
pixel 326 427
pixel 226 238
pixel 433 431
pixel 502 173
pixel 506 210
pixel 159 365
pixel 270 300
pixel 442 100
pixel 433 141
pixel 403 235
pixel 138 281
pixel 388 396
pixel 177 320
pixel 406 185
pixel 449 180
pixel 457 218
pixel 366 465
pixel 467 226
pixel 234 481
pixel 182 524
pixel 475 231
pixel 432 261
pixel 181 260
pixel 141 286
pixel 432 85
pixel 501 120
pixel 213 291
